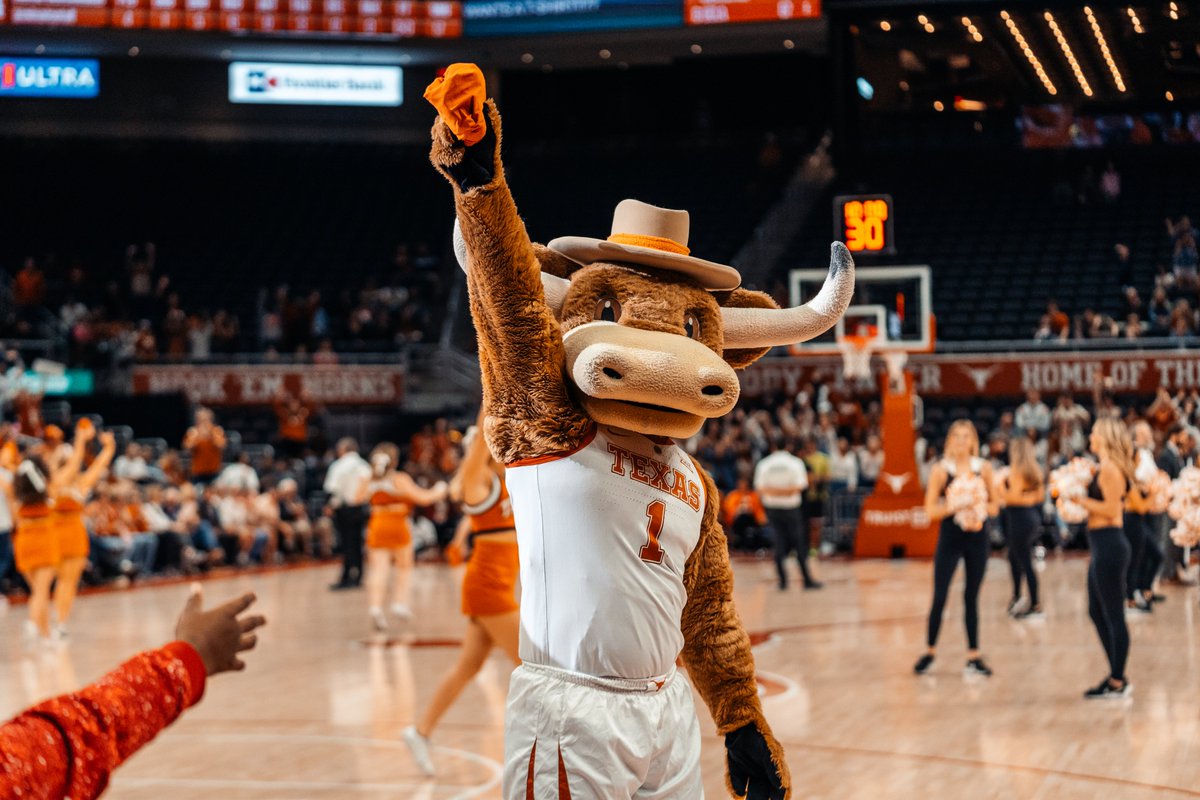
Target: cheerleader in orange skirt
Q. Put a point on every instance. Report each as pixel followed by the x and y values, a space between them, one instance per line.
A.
pixel 69 490
pixel 35 542
pixel 392 495
pixel 489 585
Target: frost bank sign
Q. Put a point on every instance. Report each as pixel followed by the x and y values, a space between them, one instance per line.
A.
pixel 312 84
pixel 49 77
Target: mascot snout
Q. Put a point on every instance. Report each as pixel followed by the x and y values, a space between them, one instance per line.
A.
pixel 664 373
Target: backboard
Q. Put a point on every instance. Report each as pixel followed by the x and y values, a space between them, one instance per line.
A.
pixel 897 301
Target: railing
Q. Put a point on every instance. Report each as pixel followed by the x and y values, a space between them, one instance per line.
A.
pixel 1068 345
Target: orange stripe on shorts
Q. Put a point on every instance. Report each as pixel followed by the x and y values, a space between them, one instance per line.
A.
pixel 529 775
pixel 564 788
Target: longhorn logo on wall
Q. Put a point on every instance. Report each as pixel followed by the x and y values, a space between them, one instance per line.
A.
pixel 972 374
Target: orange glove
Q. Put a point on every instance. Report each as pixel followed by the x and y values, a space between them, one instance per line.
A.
pixel 459 96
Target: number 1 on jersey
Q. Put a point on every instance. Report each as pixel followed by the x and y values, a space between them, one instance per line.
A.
pixel 651 552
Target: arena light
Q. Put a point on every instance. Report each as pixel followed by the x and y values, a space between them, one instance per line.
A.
pixel 1030 56
pixel 1133 18
pixel 1173 11
pixel 1080 78
pixel 1102 43
pixel 971 29
pixel 1170 96
pixel 884 25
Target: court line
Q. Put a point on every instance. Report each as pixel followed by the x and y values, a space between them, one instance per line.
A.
pixel 972 762
pixel 466 793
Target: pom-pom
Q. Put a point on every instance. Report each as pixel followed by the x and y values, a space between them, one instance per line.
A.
pixel 1068 484
pixel 967 499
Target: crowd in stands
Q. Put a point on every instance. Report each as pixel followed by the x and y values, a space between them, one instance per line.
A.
pixel 1170 307
pixel 199 506
pixel 140 315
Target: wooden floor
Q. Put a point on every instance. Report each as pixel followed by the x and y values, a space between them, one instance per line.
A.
pixel 318 712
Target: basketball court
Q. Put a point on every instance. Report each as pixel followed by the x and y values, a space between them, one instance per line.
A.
pixel 319 709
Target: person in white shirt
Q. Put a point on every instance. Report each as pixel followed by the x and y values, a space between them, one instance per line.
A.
pixel 780 480
pixel 1033 414
pixel 843 467
pixel 239 476
pixel 131 465
pixel 342 481
pixel 870 461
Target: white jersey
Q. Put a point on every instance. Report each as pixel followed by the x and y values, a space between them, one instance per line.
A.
pixel 604 534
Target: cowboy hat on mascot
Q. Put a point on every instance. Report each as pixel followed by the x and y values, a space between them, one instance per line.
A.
pixel 595 355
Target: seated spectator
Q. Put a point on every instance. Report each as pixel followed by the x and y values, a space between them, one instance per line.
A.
pixel 264 518
pixel 1133 327
pixel 137 528
pixel 172 550
pixel 1059 322
pixel 843 467
pixel 237 520
pixel 744 517
pixel 1033 414
pixel 1183 321
pixel 1131 302
pixel 1159 312
pixel 870 462
pixel 171 467
pixel 131 465
pixel 295 529
pixel 239 476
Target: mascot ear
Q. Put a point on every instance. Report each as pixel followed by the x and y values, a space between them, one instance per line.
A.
pixel 555 263
pixel 744 298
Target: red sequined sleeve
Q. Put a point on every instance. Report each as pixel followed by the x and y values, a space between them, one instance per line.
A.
pixel 68 746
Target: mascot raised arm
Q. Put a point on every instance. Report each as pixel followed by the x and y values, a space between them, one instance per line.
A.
pixel 596 354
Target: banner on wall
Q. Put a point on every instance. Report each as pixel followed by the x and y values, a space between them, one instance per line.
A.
pixel 260 384
pixel 314 84
pixel 969 375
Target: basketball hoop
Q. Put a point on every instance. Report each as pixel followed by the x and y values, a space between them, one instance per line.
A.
pixel 856 356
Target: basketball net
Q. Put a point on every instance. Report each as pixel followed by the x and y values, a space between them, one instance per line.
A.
pixel 856 356
pixel 895 360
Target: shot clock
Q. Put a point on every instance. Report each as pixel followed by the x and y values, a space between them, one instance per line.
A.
pixel 864 223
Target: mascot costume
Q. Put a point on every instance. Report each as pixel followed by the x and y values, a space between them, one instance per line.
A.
pixel 596 355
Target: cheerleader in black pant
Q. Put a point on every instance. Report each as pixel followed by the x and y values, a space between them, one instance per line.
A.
pixel 1023 496
pixel 1110 551
pixel 956 543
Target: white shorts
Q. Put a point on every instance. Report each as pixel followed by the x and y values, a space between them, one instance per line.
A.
pixel 575 737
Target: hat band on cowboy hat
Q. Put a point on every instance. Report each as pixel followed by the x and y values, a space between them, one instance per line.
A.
pixel 649 236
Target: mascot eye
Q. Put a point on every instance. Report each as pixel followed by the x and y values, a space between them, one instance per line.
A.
pixel 608 310
pixel 691 326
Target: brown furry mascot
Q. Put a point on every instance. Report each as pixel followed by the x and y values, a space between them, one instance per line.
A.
pixel 594 353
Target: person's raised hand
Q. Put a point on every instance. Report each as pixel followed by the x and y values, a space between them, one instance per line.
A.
pixel 219 634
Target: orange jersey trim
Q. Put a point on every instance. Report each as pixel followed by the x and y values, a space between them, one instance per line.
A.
pixel 529 462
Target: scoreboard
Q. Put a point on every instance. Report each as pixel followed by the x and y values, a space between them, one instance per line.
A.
pixel 347 18
pixel 718 12
pixel 397 19
pixel 864 222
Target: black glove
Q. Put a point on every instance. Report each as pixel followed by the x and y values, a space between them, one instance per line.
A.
pixel 751 772
pixel 478 166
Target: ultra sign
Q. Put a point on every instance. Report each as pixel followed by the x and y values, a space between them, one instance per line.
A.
pixel 49 77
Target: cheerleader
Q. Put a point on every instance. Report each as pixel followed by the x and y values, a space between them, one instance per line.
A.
pixel 1024 494
pixel 1110 551
pixel 488 591
pixel 69 490
pixel 960 536
pixel 1140 529
pixel 35 546
pixel 392 494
